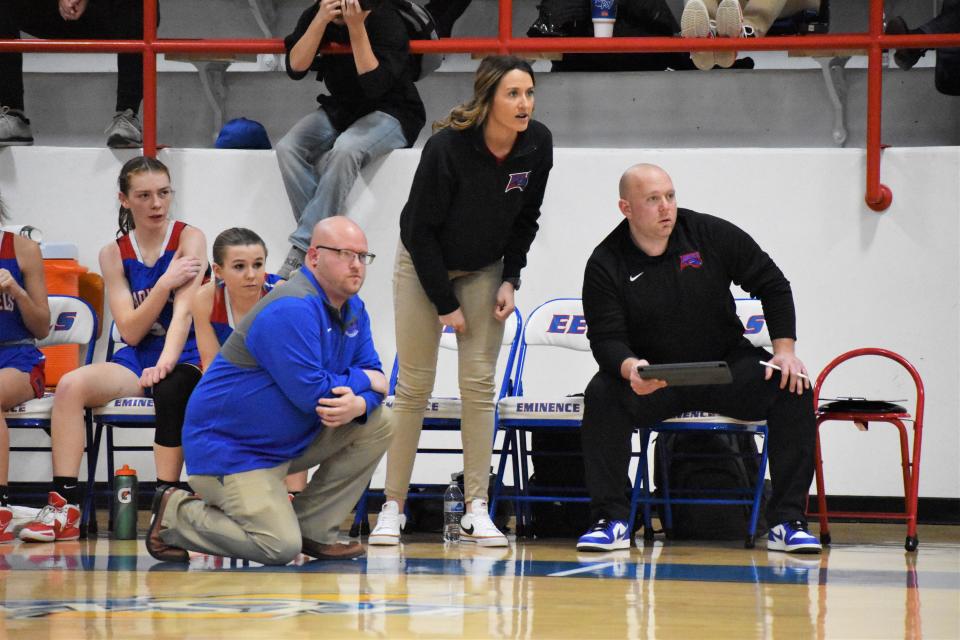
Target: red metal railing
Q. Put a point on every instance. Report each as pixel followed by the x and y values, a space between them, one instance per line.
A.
pixel 878 196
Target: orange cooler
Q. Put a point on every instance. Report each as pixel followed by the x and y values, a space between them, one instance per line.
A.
pixel 62 272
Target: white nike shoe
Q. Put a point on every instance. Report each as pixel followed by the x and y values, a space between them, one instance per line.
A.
pixel 477 527
pixel 389 524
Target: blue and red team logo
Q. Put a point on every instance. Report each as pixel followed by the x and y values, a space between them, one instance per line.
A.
pixel 691 260
pixel 518 181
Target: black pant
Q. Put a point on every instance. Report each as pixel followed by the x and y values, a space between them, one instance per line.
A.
pixel 103 19
pixel 170 397
pixel 612 411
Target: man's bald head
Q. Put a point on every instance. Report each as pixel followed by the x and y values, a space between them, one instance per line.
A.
pixel 336 229
pixel 636 175
pixel 337 247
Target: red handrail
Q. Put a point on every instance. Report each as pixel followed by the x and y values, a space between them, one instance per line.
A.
pixel 878 196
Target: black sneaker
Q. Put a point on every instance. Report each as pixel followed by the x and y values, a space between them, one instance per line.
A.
pixel 905 58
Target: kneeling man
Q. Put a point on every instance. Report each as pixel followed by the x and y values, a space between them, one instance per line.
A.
pixel 298 384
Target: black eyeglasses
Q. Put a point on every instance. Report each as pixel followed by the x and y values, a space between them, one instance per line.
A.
pixel 348 256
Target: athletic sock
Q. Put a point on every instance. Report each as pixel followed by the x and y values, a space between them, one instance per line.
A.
pixel 68 487
pixel 4 496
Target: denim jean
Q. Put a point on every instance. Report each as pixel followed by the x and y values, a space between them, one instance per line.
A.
pixel 320 164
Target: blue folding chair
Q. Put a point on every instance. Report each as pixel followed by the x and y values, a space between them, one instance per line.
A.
pixel 122 413
pixel 443 414
pixel 755 328
pixel 73 322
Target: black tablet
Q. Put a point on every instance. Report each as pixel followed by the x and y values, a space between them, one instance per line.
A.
pixel 687 373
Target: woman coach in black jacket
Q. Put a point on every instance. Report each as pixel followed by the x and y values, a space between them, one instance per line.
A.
pixel 464 236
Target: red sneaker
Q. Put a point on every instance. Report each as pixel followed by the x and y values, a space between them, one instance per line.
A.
pixel 6 516
pixel 56 522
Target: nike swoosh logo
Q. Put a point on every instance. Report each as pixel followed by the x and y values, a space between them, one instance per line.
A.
pixel 632 278
pixel 469 531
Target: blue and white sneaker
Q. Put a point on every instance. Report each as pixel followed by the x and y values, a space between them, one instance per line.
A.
pixel 606 535
pixel 792 537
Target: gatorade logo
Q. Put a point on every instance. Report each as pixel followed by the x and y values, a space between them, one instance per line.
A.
pixel 124 496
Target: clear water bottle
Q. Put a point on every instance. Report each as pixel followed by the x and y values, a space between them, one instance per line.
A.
pixel 452 511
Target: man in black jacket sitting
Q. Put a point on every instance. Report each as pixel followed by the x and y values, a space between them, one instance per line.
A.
pixel 657 290
pixel 372 108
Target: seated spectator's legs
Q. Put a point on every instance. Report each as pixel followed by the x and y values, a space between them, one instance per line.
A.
pixel 761 14
pixel 947 22
pixel 347 457
pixel 611 413
pixel 106 19
pixel 170 398
pixel 318 192
pixel 242 515
pixel 297 153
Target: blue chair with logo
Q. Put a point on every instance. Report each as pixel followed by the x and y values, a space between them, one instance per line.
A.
pixel 73 321
pixel 554 341
pixel 122 413
pixel 751 315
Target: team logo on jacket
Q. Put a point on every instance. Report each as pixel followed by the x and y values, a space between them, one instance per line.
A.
pixel 517 181
pixel 692 260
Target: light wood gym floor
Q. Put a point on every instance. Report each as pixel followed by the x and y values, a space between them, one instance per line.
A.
pixel 865 586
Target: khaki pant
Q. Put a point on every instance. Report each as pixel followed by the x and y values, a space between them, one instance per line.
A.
pixel 418 339
pixel 248 515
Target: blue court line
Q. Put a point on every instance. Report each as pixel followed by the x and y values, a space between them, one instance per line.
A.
pixel 792 572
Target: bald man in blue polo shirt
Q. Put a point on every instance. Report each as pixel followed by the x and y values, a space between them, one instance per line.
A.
pixel 298 384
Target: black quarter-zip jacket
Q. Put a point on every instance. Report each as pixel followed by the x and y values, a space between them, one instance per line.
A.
pixel 467 209
pixel 678 307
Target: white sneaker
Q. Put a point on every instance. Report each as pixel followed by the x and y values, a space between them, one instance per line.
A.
pixel 729 25
pixel 389 524
pixel 695 23
pixel 125 131
pixel 14 128
pixel 476 526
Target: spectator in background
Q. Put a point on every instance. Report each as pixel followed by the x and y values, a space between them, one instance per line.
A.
pixel 372 108
pixel 733 19
pixel 72 20
pixel 947 75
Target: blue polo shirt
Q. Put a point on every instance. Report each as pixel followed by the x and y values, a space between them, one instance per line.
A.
pixel 256 406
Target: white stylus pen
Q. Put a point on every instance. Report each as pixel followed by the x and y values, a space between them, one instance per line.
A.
pixel 773 366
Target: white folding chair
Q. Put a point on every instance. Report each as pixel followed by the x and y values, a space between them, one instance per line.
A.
pixel 73 321
pixel 559 325
pixel 443 413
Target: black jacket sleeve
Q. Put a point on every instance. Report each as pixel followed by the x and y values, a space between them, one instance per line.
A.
pixel 603 309
pixel 291 40
pixel 391 46
pixel 525 225
pixel 430 196
pixel 754 271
